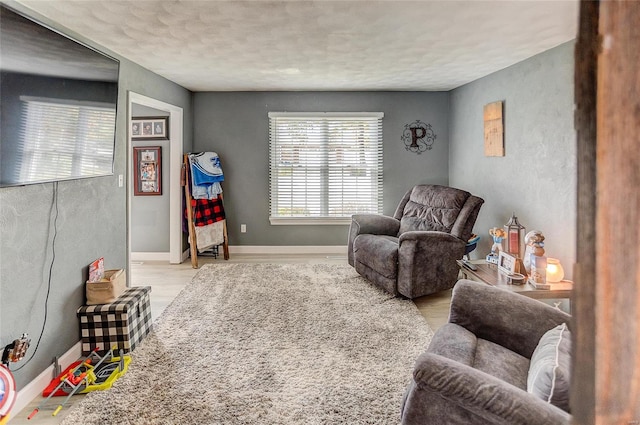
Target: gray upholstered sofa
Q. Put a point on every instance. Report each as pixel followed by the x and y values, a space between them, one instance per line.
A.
pixel 503 358
pixel 414 252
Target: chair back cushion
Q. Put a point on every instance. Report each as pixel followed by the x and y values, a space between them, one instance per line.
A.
pixel 432 207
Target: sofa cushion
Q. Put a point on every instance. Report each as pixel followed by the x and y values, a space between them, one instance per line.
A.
pixel 454 342
pixel 501 363
pixel 457 343
pixel 549 371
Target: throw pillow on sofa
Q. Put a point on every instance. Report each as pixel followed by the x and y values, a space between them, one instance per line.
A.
pixel 549 370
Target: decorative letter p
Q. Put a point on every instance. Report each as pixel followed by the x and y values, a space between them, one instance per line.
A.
pixel 415 137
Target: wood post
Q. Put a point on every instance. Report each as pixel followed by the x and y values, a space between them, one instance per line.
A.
pixel 618 215
pixel 583 396
pixel 606 371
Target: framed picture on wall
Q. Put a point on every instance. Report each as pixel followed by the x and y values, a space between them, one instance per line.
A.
pixel 147 170
pixel 150 128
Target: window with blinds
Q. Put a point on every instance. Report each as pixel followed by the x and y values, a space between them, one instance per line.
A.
pixel 324 167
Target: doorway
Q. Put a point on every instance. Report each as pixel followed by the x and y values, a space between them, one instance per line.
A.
pixel 173 189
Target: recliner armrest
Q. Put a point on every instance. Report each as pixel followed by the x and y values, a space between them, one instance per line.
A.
pixel 373 224
pixel 427 262
pixel 482 394
pixel 430 237
pixel 430 248
pixel 509 319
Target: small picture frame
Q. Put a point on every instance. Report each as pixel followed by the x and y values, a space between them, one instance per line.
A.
pixel 147 170
pixel 150 128
pixel 507 263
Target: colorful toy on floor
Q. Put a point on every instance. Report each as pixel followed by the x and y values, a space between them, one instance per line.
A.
pixel 7 393
pixel 83 376
pixel 11 353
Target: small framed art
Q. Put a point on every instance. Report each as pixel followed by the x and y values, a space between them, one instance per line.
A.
pixel 493 129
pixel 150 128
pixel 507 263
pixel 147 170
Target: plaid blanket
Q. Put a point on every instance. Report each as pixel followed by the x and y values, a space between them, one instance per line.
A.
pixel 207 211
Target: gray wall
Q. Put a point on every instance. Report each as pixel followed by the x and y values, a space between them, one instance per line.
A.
pixel 235 125
pixel 536 178
pixel 91 223
pixel 150 214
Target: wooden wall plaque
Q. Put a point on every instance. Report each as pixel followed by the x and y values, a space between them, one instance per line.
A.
pixel 493 130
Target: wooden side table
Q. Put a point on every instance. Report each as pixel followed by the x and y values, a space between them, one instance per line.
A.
pixel 489 274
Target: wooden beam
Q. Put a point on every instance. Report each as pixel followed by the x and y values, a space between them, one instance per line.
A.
pixel 583 395
pixel 617 257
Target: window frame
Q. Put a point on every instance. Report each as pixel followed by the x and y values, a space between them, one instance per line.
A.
pixel 327 219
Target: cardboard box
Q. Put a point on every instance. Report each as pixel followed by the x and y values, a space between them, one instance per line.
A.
pixel 107 289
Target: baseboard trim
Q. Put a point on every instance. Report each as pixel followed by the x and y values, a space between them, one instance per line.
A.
pixel 252 249
pixel 185 255
pixel 150 256
pixel 289 250
pixel 34 388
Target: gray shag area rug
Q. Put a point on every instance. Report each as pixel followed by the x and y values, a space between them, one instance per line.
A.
pixel 269 344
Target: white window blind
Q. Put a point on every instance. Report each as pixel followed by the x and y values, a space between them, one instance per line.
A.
pixel 70 134
pixel 324 167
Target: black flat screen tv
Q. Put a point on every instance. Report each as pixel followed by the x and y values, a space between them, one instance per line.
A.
pixel 58 102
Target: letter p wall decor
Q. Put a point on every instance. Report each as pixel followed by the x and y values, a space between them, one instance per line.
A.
pixel 418 137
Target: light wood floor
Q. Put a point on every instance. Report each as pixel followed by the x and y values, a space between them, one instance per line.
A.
pixel 167 280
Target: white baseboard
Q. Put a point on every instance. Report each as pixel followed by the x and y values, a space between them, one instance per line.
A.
pixel 289 250
pixel 150 256
pixel 185 254
pixel 253 249
pixel 34 388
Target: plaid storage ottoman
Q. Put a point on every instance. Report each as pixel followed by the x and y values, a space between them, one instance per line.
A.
pixel 124 322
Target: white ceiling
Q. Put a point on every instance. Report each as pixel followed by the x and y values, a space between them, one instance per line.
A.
pixel 319 45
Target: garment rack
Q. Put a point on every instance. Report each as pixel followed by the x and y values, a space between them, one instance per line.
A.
pixel 193 243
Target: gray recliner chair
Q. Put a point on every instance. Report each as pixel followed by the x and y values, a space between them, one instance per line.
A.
pixel 502 359
pixel 414 252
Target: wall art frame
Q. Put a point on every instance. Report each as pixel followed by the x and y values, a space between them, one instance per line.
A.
pixel 493 129
pixel 507 263
pixel 147 171
pixel 149 128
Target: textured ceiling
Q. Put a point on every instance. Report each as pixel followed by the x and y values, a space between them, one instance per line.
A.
pixel 319 45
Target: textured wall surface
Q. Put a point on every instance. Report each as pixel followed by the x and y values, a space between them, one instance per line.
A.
pixel 91 222
pixel 150 214
pixel 236 126
pixel 536 178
